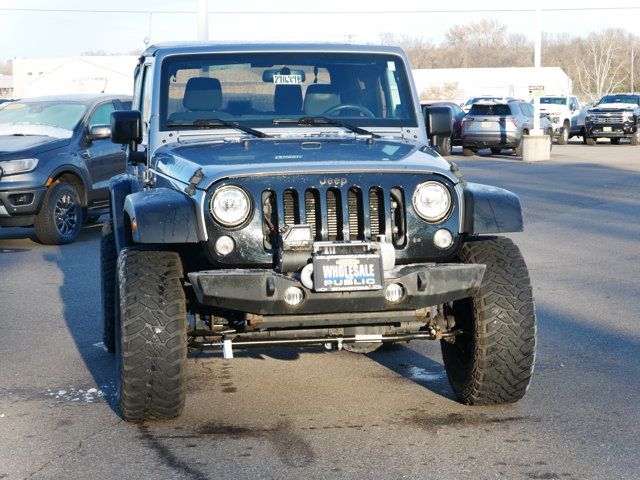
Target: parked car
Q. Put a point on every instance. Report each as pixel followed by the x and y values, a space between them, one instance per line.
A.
pixel 500 125
pixel 56 159
pixel 488 98
pixel 444 144
pixel 565 114
pixel 614 117
pixel 295 208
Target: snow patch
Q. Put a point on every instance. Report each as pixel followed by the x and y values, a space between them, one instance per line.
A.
pixel 422 374
pixel 101 346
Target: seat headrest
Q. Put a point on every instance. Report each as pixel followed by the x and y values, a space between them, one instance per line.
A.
pixel 202 93
pixel 287 99
pixel 320 98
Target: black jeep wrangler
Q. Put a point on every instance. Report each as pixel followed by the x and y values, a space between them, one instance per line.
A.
pixel 286 195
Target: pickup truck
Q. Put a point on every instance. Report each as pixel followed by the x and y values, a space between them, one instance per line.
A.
pixel 565 114
pixel 614 117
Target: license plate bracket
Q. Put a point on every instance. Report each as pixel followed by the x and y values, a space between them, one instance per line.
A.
pixel 343 273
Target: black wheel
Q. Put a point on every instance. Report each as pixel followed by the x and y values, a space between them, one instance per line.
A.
pixel 444 146
pixel 467 152
pixel 563 139
pixel 496 150
pixel 615 141
pixel 635 139
pixel 108 261
pixel 60 216
pixel 153 335
pixel 492 361
pixel 590 141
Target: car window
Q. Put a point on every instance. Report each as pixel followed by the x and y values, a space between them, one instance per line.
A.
pixel 102 115
pixel 500 109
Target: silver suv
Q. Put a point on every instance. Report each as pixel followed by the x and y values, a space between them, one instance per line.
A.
pixel 499 125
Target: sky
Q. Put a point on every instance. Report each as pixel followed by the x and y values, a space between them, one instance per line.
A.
pixel 69 33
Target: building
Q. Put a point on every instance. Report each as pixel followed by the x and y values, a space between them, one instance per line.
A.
pixel 459 84
pixel 85 74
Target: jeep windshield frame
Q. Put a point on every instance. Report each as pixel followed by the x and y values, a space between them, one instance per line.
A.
pixel 252 89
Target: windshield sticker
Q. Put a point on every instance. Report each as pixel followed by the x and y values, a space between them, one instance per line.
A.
pixel 281 79
pixel 391 66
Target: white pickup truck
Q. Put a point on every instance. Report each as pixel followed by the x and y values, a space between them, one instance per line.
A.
pixel 566 115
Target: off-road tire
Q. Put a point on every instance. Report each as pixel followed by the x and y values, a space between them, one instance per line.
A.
pixel 153 335
pixel 467 152
pixel 590 141
pixel 444 146
pixel 492 361
pixel 48 229
pixel 108 261
pixel 635 138
pixel 563 139
pixel 496 150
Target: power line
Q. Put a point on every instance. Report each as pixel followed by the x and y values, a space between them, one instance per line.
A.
pixel 319 12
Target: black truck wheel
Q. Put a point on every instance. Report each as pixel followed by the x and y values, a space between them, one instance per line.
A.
pixel 108 261
pixel 492 361
pixel 60 216
pixel 444 146
pixel 563 139
pixel 153 335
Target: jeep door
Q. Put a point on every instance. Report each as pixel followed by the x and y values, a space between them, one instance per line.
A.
pixel 102 158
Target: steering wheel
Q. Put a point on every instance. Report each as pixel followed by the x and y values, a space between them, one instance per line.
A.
pixel 350 106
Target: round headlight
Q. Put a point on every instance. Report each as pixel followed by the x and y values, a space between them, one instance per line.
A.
pixel 432 201
pixel 230 206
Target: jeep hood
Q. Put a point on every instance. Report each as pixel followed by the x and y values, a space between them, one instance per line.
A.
pixel 12 145
pixel 220 159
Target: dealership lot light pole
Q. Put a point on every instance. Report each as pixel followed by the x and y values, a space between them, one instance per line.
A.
pixel 203 20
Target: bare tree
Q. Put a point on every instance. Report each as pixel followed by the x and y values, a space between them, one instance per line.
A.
pixel 603 63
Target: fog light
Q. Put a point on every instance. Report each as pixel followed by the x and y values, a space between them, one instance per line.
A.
pixel 394 293
pixel 225 245
pixel 443 238
pixel 293 296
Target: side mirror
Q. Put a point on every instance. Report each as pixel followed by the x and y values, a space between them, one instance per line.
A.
pixel 126 127
pixel 439 121
pixel 98 132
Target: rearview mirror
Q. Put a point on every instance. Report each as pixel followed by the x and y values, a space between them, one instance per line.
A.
pixel 439 121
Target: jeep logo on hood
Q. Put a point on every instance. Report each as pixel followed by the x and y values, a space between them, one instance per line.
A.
pixel 337 181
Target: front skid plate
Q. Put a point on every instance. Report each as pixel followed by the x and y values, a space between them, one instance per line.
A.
pixel 261 292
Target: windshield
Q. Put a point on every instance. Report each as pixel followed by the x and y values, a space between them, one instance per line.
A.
pixel 635 99
pixel 553 100
pixel 253 89
pixel 52 118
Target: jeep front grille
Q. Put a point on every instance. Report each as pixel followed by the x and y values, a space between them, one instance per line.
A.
pixel 337 214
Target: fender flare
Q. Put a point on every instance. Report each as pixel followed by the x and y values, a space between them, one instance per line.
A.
pixel 162 215
pixel 120 187
pixel 78 172
pixel 490 209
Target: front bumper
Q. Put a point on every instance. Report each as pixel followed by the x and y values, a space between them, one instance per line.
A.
pixel 18 207
pixel 610 130
pixel 261 292
pixel 503 139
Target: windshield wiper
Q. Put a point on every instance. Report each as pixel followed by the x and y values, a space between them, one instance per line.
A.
pixel 315 121
pixel 217 123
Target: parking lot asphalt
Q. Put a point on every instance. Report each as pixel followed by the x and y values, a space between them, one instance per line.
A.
pixel 290 414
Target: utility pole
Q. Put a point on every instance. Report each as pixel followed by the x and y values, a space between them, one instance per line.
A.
pixel 632 62
pixel 537 62
pixel 203 20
